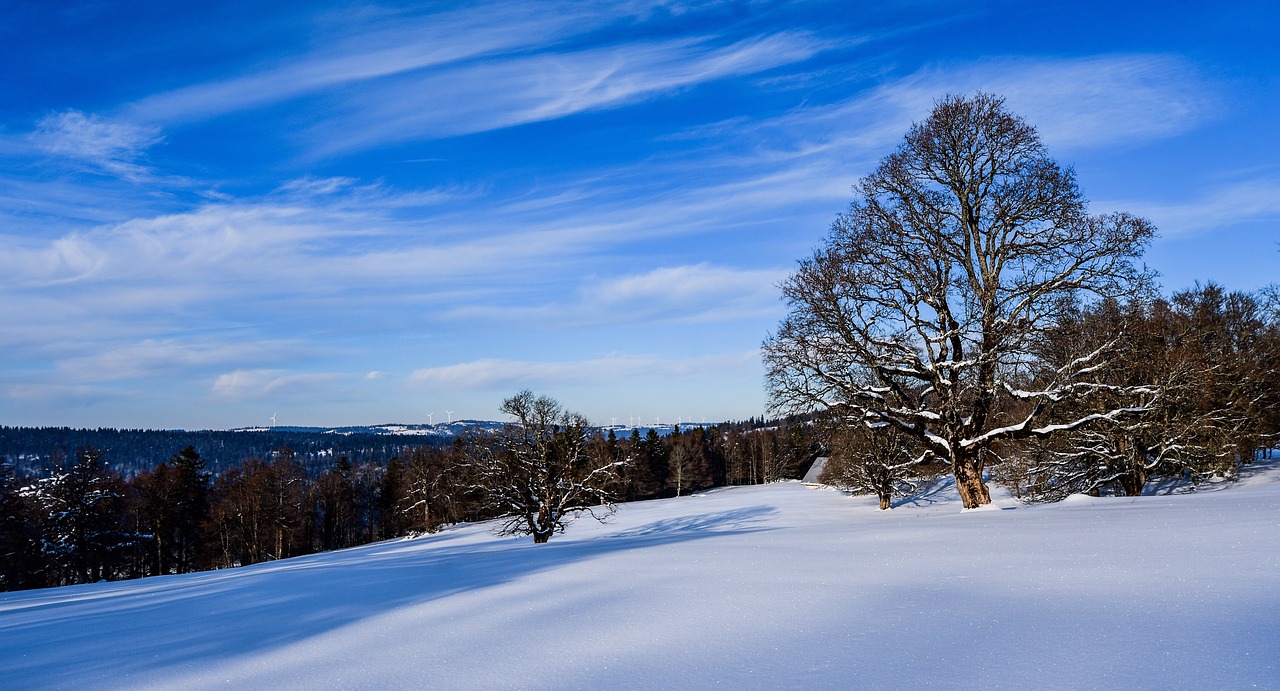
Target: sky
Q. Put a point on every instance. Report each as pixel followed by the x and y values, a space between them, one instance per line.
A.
pixel 344 213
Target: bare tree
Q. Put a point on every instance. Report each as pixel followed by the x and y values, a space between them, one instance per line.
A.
pixel 1212 355
pixel 538 472
pixel 258 512
pixel 920 309
pixel 879 461
pixel 426 473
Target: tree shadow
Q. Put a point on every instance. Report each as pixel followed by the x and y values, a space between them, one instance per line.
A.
pixel 736 521
pixel 935 492
pixel 131 632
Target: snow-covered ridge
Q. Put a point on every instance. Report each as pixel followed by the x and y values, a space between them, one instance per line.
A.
pixel 439 429
pixel 747 587
pixel 456 427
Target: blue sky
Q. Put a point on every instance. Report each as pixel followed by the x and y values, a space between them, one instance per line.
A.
pixel 354 213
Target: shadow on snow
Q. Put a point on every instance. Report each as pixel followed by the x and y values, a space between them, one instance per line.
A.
pixel 146 627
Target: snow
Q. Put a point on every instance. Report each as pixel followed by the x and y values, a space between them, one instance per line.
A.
pixel 815 471
pixel 770 586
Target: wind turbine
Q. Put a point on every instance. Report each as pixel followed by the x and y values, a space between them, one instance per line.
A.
pixel 450 413
pixel 431 420
pixel 613 422
pixel 273 419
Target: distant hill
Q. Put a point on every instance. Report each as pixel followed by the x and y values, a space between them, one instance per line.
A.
pixel 37 449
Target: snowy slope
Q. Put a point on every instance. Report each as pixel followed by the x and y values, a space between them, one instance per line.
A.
pixel 774 586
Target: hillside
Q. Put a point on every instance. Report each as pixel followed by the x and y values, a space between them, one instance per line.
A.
pixel 767 586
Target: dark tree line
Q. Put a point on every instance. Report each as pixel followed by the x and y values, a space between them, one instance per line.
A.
pixel 83 520
pixel 1211 359
pixel 34 449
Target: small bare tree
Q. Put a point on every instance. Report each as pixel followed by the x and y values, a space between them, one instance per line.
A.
pixel 538 472
pixel 920 309
pixel 878 461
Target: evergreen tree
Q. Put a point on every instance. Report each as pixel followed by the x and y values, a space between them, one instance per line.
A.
pixel 393 492
pixel 656 458
pixel 19 553
pixel 174 507
pixel 80 515
pixel 334 512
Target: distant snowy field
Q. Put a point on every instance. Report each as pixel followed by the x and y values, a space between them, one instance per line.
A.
pixel 771 586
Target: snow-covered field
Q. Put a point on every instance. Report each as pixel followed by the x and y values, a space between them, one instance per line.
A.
pixel 773 586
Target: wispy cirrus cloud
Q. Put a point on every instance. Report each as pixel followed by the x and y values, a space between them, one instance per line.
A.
pixel 1074 103
pixel 1218 207
pixel 686 295
pixel 498 374
pixel 242 385
pixel 167 357
pixel 373 46
pixel 690 294
pixel 107 146
pixel 1083 102
pixel 681 283
pixel 435 75
pixel 472 70
pixel 522 89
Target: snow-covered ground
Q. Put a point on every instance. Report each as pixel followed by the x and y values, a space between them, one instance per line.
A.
pixel 773 586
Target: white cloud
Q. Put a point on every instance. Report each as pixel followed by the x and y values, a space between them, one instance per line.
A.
pixel 309 186
pixel 1078 102
pixel 697 293
pixel 366 51
pixel 161 357
pixel 1073 102
pixel 498 374
pixel 391 77
pixel 521 89
pixel 258 383
pixel 682 283
pixel 112 147
pixel 1219 207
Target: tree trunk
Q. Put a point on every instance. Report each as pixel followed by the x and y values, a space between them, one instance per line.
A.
pixel 1133 481
pixel 968 474
pixel 884 501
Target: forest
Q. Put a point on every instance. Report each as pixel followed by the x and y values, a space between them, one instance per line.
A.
pixel 86 521
pixel 38 450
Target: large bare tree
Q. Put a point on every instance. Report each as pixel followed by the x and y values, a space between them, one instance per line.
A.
pixel 920 309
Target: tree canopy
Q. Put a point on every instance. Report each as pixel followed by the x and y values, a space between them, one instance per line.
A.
pixel 922 308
